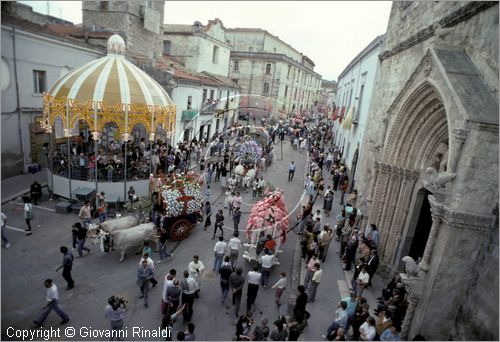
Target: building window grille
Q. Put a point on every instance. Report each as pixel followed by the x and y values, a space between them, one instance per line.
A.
pixel 39 81
pixel 236 66
pixel 104 5
pixel 166 47
pixel 215 55
pixel 266 88
pixel 268 69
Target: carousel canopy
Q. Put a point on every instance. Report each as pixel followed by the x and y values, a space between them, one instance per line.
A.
pixel 109 89
pixel 111 79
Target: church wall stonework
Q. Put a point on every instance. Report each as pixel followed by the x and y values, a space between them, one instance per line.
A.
pixel 461 255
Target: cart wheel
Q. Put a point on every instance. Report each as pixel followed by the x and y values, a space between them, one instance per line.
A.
pixel 180 229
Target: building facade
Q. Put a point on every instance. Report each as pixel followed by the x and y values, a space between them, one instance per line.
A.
pixel 355 88
pixel 206 98
pixel 328 94
pixel 138 22
pixel 429 175
pixel 200 48
pixel 33 58
pixel 265 66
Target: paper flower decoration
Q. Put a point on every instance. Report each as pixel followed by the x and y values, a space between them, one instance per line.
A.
pixel 181 194
pixel 269 215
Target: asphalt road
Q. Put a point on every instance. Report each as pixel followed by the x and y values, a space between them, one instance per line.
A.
pixel 32 259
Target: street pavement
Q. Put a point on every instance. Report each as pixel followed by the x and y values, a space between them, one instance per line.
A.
pixel 31 259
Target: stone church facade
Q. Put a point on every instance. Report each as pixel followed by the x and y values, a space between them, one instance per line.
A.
pixel 429 170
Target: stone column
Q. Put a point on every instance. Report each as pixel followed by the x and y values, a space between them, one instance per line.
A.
pixel 459 137
pixel 436 212
pixel 388 213
pixel 378 195
pixel 410 311
pixel 401 212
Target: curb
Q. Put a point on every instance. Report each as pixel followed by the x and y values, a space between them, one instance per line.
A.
pixel 295 274
pixel 18 194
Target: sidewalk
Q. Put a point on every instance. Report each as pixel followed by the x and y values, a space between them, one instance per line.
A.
pixel 335 283
pixel 14 187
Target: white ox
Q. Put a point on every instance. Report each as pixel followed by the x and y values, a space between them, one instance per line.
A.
pixel 120 223
pixel 127 239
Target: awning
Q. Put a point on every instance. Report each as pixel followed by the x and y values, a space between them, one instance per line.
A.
pixel 342 112
pixel 348 119
pixel 335 114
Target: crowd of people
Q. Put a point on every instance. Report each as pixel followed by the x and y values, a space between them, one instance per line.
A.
pixel 326 175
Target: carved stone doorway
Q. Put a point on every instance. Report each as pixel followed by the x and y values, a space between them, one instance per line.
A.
pixel 418 229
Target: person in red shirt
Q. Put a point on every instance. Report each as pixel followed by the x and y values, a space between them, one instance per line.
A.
pixel 270 243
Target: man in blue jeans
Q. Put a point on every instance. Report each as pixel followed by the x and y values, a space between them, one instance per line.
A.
pixel 219 252
pixel 52 303
pixel 291 171
pixel 267 264
pixel 340 320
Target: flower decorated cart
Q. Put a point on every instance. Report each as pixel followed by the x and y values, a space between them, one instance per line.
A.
pixel 180 196
pixel 270 216
pixel 250 151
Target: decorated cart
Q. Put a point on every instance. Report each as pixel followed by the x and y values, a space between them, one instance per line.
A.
pixel 249 153
pixel 270 217
pixel 180 196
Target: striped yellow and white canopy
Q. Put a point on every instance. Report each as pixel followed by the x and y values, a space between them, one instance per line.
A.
pixel 113 80
pixel 109 89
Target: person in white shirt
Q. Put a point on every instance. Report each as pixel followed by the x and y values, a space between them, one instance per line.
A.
pixel 234 247
pixel 4 227
pixel 318 215
pixel 367 330
pixel 219 251
pixel 362 280
pixel 52 303
pixel 280 287
pixel 189 289
pixel 196 269
pixel 340 320
pixel 237 201
pixel 267 261
pixel 253 286
pixel 151 265
pixel 169 280
pixel 313 285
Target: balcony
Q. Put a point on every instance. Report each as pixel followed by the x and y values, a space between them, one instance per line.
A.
pixel 208 108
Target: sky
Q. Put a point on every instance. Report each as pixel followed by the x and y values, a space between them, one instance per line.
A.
pixel 331 33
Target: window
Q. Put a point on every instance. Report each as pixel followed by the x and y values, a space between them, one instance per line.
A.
pixel 295 95
pixel 286 91
pixel 268 69
pixel 266 88
pixel 298 76
pixel 212 94
pixel 215 55
pixel 204 95
pixel 40 84
pixel 288 73
pixel 360 99
pixel 236 66
pixel 235 80
pixel 274 50
pixel 190 101
pixel 104 5
pixel 250 49
pixel 166 47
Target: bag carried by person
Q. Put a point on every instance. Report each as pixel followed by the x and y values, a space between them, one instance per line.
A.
pixel 29 212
